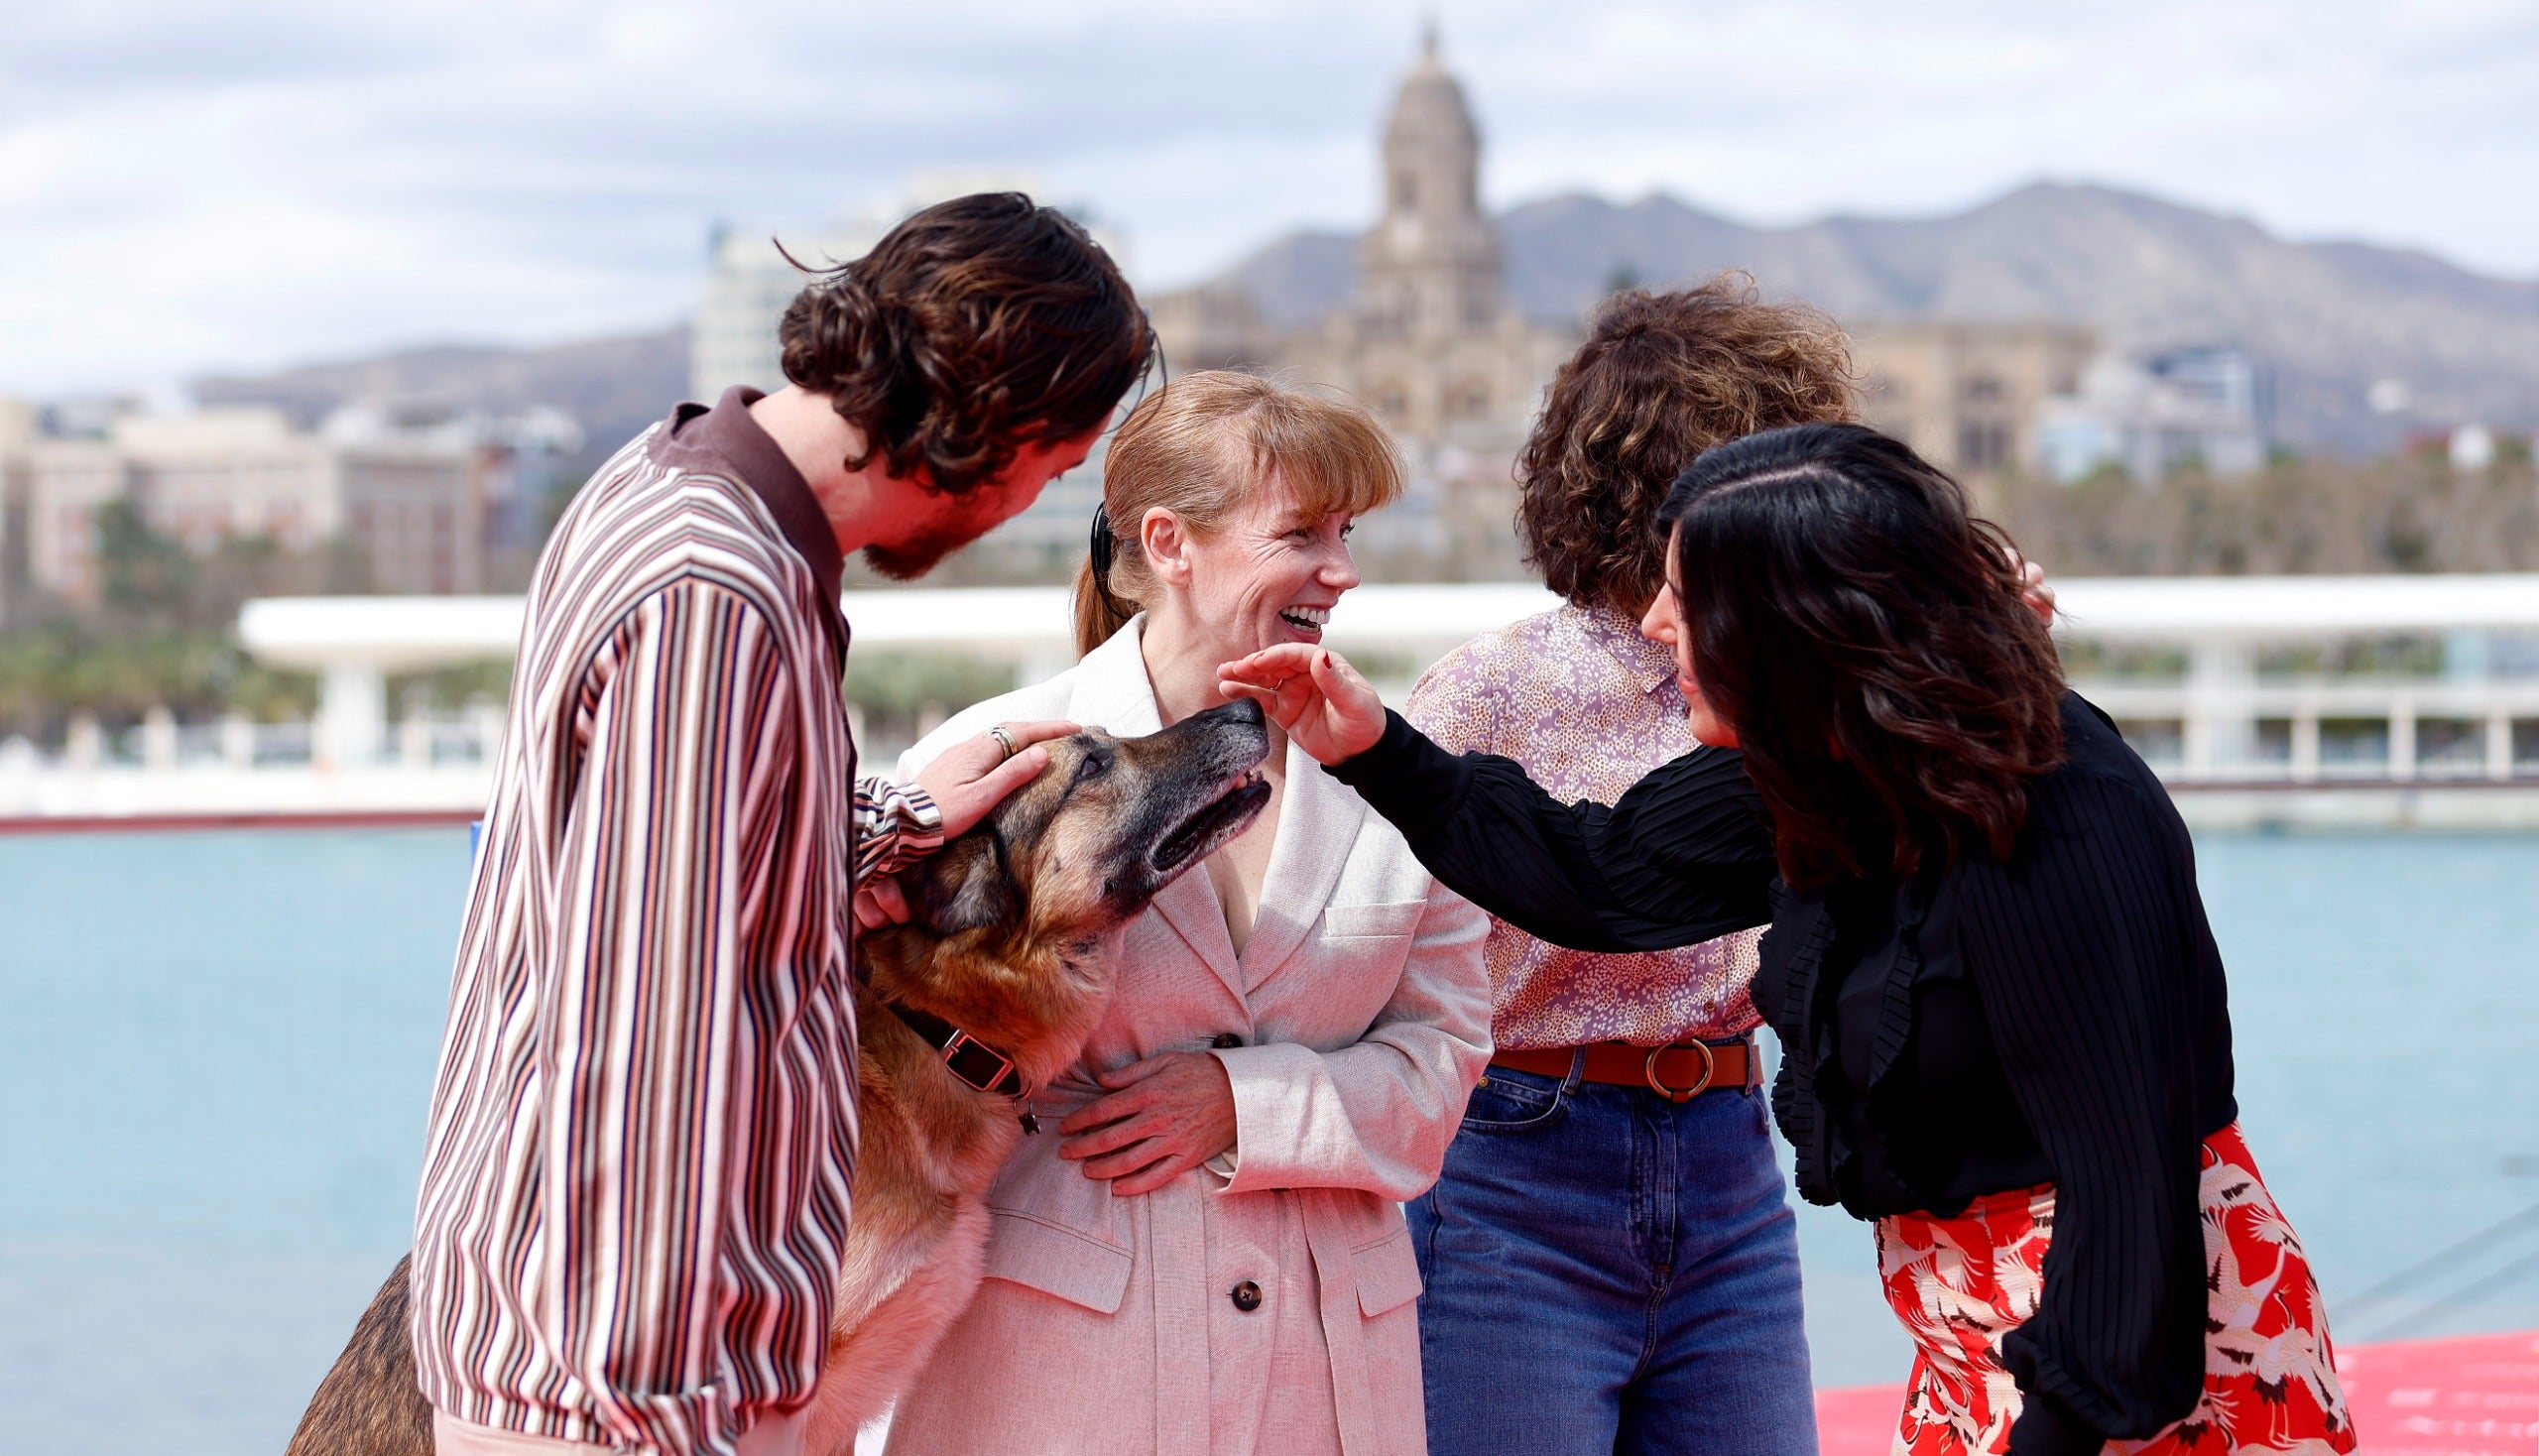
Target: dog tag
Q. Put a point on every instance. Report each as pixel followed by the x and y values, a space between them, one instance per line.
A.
pixel 1031 1124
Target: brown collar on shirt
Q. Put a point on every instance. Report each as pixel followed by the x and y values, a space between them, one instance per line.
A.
pixel 725 441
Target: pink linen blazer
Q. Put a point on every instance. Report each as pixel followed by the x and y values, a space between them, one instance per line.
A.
pixel 1364 1013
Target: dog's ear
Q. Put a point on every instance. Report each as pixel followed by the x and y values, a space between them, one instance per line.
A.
pixel 963 886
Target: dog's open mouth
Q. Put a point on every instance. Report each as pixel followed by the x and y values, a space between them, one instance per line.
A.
pixel 1212 823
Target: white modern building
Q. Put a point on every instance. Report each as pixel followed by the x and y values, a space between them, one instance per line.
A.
pixel 2204 408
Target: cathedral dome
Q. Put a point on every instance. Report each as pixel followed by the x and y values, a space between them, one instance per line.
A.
pixel 1429 111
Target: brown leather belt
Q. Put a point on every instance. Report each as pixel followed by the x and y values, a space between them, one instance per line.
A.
pixel 1677 1073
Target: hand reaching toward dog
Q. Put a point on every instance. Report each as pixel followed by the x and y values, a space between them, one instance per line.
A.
pixel 1314 694
pixel 1166 1116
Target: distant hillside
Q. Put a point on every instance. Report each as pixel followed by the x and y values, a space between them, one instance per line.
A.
pixel 2328 319
pixel 1300 277
pixel 611 386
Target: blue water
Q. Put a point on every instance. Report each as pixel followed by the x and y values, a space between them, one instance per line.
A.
pixel 216 1050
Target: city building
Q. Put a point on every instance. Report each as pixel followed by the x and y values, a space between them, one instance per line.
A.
pixel 1968 395
pixel 516 458
pixel 2204 408
pixel 409 507
pixel 67 482
pixel 1430 340
pixel 17 427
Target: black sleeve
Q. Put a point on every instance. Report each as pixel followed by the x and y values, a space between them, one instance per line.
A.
pixel 1684 857
pixel 2081 951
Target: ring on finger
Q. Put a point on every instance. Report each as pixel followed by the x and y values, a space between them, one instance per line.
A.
pixel 1004 739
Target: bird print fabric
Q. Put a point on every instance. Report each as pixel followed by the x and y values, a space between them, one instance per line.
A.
pixel 1960 1284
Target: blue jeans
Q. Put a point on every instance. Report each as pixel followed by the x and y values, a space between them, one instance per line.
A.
pixel 1614 1274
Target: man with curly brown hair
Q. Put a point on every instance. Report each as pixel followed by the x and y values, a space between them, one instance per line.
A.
pixel 1614 1176
pixel 636 1179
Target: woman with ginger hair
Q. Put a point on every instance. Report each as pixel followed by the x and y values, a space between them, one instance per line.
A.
pixel 1202 1249
pixel 1615 1171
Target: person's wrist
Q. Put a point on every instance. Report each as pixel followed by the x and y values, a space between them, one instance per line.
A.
pixel 1356 758
pixel 925 814
pixel 1367 736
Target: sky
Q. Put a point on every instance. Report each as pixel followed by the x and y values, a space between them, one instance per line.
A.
pixel 189 188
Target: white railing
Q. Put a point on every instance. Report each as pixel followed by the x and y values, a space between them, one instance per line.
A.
pixel 2221 724
pixel 2327 730
pixel 436 763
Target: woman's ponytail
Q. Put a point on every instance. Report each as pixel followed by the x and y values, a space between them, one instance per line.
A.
pixel 1099 611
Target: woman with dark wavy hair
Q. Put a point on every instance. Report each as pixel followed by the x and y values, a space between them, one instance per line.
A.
pixel 2006 1037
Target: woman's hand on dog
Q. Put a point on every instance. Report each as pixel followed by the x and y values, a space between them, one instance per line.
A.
pixel 974 774
pixel 1314 694
pixel 1166 1116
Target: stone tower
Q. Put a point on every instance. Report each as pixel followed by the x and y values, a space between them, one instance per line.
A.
pixel 1430 339
pixel 1431 266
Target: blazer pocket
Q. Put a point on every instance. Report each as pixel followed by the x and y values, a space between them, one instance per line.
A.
pixel 1043 1255
pixel 1398 917
pixel 1388 1274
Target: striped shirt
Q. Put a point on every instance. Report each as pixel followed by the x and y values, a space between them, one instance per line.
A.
pixel 635 1187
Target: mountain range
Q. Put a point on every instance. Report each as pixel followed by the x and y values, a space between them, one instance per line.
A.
pixel 2329 321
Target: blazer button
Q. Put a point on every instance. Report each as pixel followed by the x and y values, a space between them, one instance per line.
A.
pixel 1227 1041
pixel 1247 1296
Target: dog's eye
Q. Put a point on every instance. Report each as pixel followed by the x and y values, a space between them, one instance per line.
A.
pixel 1095 765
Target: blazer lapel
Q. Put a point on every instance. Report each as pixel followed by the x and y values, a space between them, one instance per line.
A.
pixel 1189 906
pixel 1113 693
pixel 1317 827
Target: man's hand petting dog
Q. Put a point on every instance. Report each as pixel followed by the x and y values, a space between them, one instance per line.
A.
pixel 1166 1116
pixel 969 778
pixel 975 775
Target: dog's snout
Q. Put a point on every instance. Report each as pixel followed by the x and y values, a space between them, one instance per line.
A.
pixel 1240 712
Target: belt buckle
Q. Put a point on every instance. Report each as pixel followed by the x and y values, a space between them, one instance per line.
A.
pixel 1710 1068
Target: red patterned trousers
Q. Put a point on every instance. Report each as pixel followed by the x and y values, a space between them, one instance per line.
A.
pixel 1961 1284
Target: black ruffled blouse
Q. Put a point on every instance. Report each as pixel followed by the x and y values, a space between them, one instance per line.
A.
pixel 2059 1016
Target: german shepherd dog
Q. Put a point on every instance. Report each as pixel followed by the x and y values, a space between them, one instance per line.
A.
pixel 1000 963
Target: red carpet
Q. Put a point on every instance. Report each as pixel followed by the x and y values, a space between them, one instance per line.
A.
pixel 2473 1395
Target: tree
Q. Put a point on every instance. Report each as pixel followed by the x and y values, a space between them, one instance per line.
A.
pixel 142 576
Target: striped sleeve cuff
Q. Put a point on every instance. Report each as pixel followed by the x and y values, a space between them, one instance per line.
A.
pixel 895 824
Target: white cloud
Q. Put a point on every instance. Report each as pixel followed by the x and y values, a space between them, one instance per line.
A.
pixel 185 187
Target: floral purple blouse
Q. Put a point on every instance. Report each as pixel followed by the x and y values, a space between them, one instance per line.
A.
pixel 1588 705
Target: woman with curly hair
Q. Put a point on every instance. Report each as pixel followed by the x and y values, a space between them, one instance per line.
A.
pixel 1622 1089
pixel 2006 1037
